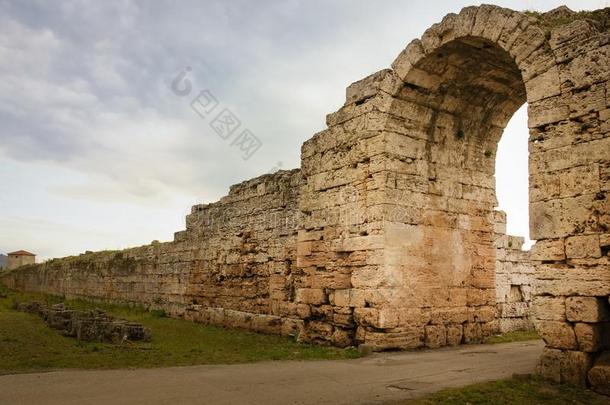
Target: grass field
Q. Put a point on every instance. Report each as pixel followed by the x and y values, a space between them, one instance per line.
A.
pixel 27 344
pixel 521 390
pixel 516 336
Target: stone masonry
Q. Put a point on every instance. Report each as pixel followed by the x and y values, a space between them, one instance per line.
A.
pixel 388 235
pixel 514 277
pixel 233 265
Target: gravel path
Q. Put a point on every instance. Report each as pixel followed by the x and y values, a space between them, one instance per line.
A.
pixel 374 379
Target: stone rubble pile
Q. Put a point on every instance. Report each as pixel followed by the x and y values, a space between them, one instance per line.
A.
pixel 89 326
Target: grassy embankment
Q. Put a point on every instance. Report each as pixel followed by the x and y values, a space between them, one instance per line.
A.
pixel 27 344
pixel 521 390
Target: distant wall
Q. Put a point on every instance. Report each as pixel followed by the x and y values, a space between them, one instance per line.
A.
pixel 514 277
pixel 232 265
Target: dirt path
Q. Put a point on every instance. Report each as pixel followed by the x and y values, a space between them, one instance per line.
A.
pixel 375 379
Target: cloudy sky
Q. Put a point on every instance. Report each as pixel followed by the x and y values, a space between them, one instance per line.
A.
pixel 97 151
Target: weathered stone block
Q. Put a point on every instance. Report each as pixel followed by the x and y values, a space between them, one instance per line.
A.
pixel 584 246
pixel 559 218
pixel 388 318
pixel 454 335
pixel 513 309
pixel 586 309
pixel 590 336
pixel 291 327
pixel 384 80
pixel 565 366
pixel 340 298
pixel 588 69
pixel 420 317
pixel 557 334
pixel 446 316
pixel 574 367
pixel 544 85
pixel 436 336
pixel 549 364
pixel 548 249
pixel 514 324
pixel 547 111
pixel 472 333
pixel 580 180
pixel 480 297
pixel 482 314
pixel 316 331
pixel 311 296
pixel 557 280
pixel 549 308
pixel 303 311
pixel 341 337
pixel 366 316
pixel 407 58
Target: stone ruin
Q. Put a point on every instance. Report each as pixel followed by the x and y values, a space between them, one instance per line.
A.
pixel 89 326
pixel 514 276
pixel 388 235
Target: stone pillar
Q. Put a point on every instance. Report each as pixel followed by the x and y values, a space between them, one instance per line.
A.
pixel 341 280
pixel 570 203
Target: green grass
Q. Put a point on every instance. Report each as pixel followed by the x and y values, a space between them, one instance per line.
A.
pixel 27 344
pixel 522 390
pixel 516 336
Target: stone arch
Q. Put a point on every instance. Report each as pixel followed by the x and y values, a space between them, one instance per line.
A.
pixel 456 88
pixel 416 144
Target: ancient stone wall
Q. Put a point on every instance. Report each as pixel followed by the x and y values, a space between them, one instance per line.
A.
pixel 232 265
pixel 388 235
pixel 414 147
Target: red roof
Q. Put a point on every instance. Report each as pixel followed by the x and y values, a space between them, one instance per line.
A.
pixel 21 253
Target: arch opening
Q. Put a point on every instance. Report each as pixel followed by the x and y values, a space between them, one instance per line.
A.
pixel 456 101
pixel 512 182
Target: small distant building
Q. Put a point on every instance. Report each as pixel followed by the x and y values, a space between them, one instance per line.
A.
pixel 20 258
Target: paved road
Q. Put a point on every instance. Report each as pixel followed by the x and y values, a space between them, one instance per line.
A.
pixel 374 379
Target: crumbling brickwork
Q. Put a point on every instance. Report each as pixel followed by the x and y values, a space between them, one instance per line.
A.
pixel 393 240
